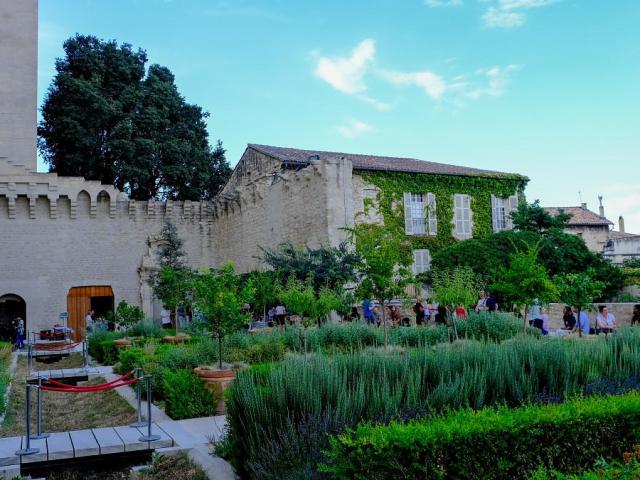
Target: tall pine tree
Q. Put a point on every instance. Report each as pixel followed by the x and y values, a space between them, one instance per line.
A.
pixel 106 118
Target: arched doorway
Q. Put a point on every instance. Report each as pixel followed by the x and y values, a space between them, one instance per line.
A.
pixel 11 306
pixel 82 299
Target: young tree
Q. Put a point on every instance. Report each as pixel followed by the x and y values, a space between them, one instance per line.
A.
pixel 579 290
pixel 384 270
pixel 105 120
pixel 301 299
pixel 456 287
pixel 525 281
pixel 264 288
pixel 220 298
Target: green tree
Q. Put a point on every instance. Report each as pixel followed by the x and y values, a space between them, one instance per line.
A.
pixel 264 288
pixel 533 217
pixel 579 290
pixel 301 298
pixel 524 281
pixel 128 315
pixel 456 287
pixel 220 297
pixel 326 266
pixel 384 269
pixel 105 118
pixel 170 251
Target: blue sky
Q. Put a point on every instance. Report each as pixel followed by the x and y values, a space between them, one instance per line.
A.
pixel 546 88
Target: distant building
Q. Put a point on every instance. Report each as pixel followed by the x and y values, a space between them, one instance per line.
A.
pixel 592 227
pixel 622 245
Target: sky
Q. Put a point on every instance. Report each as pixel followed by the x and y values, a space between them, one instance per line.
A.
pixel 545 88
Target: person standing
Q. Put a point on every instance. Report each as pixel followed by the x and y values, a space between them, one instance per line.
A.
pixel 367 311
pixel 88 321
pixel 281 314
pixel 20 331
pixel 165 318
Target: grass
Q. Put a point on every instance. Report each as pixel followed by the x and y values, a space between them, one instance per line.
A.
pixel 65 411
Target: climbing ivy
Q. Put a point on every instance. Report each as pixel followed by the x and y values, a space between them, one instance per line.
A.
pixel 390 200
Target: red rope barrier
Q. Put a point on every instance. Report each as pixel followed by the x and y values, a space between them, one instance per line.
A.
pixel 66 385
pixel 90 388
pixel 55 348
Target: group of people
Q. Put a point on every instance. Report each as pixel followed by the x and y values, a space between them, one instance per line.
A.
pixel 577 320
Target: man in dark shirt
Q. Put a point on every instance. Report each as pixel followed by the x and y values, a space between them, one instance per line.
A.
pixel 491 303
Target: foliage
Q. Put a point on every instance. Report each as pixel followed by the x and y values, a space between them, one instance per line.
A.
pixel 631 275
pixel 559 253
pixel 323 395
pixel 325 266
pixel 532 217
pixel 170 251
pixel 264 288
pixel 497 443
pixel 631 263
pixel 384 269
pixel 186 396
pixel 524 281
pixel 128 314
pixel 459 286
pixel 392 185
pixel 219 297
pixel 5 360
pixel 105 120
pixel 579 289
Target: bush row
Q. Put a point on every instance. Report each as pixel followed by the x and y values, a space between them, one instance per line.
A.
pixel 5 360
pixel 301 401
pixel 491 443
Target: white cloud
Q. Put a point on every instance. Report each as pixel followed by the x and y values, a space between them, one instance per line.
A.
pixel 377 104
pixel 346 74
pixel 498 18
pixel 497 78
pixel 508 13
pixel 433 84
pixel 442 3
pixel 354 128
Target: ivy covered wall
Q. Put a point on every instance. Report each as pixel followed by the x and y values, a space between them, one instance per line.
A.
pixel 392 186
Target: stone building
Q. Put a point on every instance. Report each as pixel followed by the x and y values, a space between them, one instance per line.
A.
pixel 592 227
pixel 68 245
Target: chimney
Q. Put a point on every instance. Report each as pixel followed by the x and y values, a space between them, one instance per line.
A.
pixel 584 205
pixel 621 224
pixel 601 206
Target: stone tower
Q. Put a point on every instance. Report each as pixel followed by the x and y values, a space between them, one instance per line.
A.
pixel 18 82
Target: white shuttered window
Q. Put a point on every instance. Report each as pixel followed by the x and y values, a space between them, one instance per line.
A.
pixel 421 261
pixel 462 215
pixel 420 214
pixel 501 209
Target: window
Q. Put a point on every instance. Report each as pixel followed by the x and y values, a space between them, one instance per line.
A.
pixel 502 208
pixel 421 261
pixel 420 214
pixel 462 215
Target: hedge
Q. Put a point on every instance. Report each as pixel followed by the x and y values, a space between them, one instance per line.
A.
pixel 490 443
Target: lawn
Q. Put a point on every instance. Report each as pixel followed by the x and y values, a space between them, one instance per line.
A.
pixel 65 411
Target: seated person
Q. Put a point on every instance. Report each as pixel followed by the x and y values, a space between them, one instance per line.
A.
pixel 582 322
pixel 568 318
pixel 605 321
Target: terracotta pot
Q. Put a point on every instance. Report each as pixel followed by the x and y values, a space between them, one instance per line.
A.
pixel 122 343
pixel 217 381
pixel 178 339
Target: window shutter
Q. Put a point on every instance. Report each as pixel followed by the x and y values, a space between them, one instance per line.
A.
pixel 416 259
pixel 494 212
pixel 432 218
pixel 408 224
pixel 426 260
pixel 513 206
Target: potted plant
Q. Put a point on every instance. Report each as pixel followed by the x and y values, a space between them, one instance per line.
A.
pixel 220 298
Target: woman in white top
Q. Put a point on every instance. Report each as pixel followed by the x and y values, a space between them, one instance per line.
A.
pixel 165 316
pixel 605 321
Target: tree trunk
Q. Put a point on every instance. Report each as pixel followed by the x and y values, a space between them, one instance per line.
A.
pixel 579 325
pixel 177 320
pixel 220 351
pixel 384 326
pixel 524 322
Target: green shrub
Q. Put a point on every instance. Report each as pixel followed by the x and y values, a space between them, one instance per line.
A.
pixel 101 346
pixel 268 352
pixel 325 394
pixel 130 358
pixel 186 396
pixel 491 443
pixel 146 329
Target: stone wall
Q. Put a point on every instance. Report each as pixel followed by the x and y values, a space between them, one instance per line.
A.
pixel 18 81
pixel 622 312
pixel 83 234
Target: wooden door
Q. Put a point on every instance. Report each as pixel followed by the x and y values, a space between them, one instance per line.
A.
pixel 79 303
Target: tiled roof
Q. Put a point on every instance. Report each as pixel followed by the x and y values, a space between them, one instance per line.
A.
pixel 614 235
pixel 374 162
pixel 579 216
